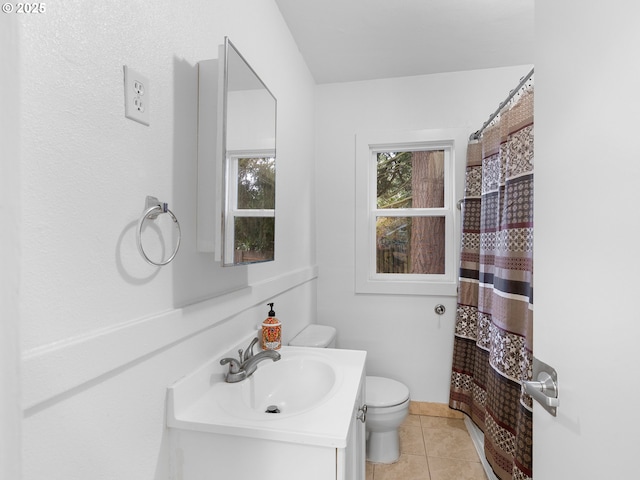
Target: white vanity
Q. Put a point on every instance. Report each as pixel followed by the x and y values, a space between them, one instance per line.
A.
pixel 223 430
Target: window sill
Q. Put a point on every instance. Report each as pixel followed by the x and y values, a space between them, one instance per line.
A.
pixel 407 287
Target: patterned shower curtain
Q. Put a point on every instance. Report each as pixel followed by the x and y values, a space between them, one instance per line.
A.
pixel 493 334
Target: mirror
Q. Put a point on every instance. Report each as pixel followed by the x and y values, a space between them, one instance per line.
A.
pixel 249 163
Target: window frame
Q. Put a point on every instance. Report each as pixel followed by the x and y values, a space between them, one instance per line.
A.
pixel 368 145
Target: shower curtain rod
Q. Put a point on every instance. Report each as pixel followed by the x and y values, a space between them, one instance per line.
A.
pixel 512 93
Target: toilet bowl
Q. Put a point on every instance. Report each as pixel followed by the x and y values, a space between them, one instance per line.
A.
pixel 387 407
pixel 387 400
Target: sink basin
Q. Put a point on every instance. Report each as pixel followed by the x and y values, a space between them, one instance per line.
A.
pixel 292 385
pixel 314 389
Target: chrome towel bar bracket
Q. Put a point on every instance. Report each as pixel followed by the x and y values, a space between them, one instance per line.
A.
pixel 154 208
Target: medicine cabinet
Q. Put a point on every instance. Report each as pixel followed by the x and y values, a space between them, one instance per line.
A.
pixel 236 161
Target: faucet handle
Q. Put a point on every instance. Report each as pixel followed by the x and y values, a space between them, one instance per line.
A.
pixel 234 365
pixel 249 351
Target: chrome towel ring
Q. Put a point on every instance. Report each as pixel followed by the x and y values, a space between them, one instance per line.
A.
pixel 153 208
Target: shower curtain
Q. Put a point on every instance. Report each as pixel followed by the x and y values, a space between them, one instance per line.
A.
pixel 493 334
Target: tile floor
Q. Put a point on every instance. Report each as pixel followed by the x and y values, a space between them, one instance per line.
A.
pixel 432 448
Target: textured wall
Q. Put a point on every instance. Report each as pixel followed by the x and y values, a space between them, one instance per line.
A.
pixel 87 169
pixel 10 414
pixel 103 332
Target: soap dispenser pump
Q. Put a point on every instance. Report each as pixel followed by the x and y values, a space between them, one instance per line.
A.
pixel 271 331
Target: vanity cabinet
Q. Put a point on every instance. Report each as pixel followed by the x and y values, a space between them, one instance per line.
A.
pixel 324 442
pixel 351 460
pixel 206 456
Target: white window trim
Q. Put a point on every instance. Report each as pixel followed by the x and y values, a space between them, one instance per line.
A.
pixel 454 142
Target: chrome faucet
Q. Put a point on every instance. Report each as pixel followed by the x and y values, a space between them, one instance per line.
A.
pixel 248 352
pixel 239 370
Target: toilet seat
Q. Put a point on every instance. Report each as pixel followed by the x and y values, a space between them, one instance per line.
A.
pixel 385 392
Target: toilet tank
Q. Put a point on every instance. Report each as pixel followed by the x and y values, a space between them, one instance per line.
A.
pixel 319 336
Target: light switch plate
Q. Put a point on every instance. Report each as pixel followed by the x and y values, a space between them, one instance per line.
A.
pixel 136 96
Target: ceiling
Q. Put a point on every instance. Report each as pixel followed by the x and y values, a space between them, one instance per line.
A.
pixel 351 40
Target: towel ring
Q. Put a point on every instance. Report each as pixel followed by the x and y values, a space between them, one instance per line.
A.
pixel 153 208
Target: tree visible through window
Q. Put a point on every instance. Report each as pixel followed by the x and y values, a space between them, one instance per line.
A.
pixel 410 239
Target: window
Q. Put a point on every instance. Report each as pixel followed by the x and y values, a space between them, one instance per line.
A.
pixel 405 212
pixel 250 208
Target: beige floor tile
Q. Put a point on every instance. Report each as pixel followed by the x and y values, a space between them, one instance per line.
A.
pixel 369 471
pixel 411 440
pixel 431 448
pixel 408 467
pixel 449 443
pixel 412 421
pixel 450 469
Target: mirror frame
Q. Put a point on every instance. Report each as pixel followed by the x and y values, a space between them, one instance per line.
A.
pixel 227 249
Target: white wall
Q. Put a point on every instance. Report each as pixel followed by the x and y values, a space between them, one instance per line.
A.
pixel 104 333
pixel 404 338
pixel 10 440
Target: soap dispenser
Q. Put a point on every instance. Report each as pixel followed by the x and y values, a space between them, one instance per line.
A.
pixel 271 331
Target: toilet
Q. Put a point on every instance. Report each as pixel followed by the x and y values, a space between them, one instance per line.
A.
pixel 387 400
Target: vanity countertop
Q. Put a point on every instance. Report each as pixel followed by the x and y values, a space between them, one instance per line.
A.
pixel 195 402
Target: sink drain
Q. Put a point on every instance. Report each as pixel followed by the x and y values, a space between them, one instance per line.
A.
pixel 272 409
